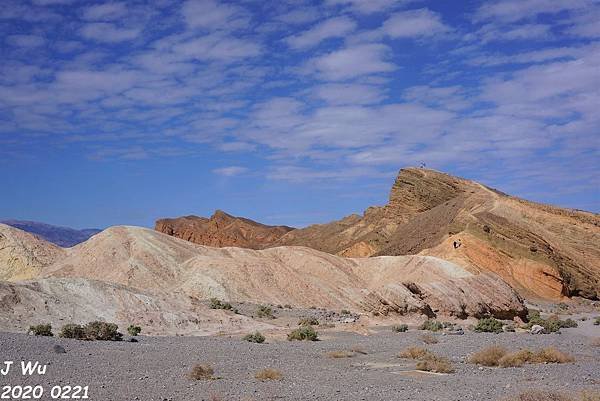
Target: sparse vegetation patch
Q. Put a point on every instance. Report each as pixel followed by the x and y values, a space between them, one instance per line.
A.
pixel 308 321
pixel 44 330
pixel 216 303
pixel 340 354
pixel 550 325
pixel 256 337
pixel 432 325
pixel 133 330
pixel 268 374
pixel 304 333
pixel 427 361
pixel 92 331
pixel 265 311
pixel 488 325
pixel 201 372
pixel 499 356
pixel 400 328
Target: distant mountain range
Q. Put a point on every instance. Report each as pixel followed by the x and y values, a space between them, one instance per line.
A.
pixel 62 236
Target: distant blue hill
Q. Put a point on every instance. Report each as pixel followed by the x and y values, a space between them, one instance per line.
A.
pixel 61 236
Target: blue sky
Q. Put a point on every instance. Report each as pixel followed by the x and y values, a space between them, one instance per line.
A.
pixel 290 112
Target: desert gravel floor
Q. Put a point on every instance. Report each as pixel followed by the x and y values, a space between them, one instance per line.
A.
pixel 156 368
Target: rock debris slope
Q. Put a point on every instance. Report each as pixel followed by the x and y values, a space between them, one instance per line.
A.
pixel 127 273
pixel 540 250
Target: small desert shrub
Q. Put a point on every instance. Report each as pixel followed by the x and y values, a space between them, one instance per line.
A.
pixel 428 361
pixel 92 331
pixel 133 330
pixel 41 330
pixel 597 321
pixel 102 331
pixel 255 338
pixel 201 372
pixel 216 303
pixel 515 359
pixel 488 325
pixel 550 325
pixel 345 312
pixel 287 306
pixel 308 321
pixel 340 354
pixel 429 339
pixel 436 364
pixel 304 333
pixel 268 374
pixel 432 325
pixel 400 328
pixel 265 311
pixel 72 331
pixel 551 355
pixel 413 353
pixel 489 356
pixel 498 356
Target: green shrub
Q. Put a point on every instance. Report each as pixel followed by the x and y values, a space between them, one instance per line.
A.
pixel 72 330
pixel 345 312
pixel 216 303
pixel 308 321
pixel 432 325
pixel 134 330
pixel 488 325
pixel 307 333
pixel 92 331
pixel 265 311
pixel 41 330
pixel 102 331
pixel 400 328
pixel 550 325
pixel 255 338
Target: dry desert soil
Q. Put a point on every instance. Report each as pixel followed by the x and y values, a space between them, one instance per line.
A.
pixel 156 368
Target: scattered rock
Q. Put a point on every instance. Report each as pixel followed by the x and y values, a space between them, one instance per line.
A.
pixel 59 349
pixel 537 329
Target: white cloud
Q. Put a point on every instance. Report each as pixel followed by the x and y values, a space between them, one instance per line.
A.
pixel 369 6
pixel 107 32
pixel 212 15
pixel 352 62
pixel 585 24
pixel 230 171
pixel 304 174
pixel 105 12
pixel 51 2
pixel 516 10
pixel 500 32
pixel 414 23
pixel 216 47
pixel 299 16
pixel 344 94
pixel 446 98
pixel 536 56
pixel 331 28
pixel 25 41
